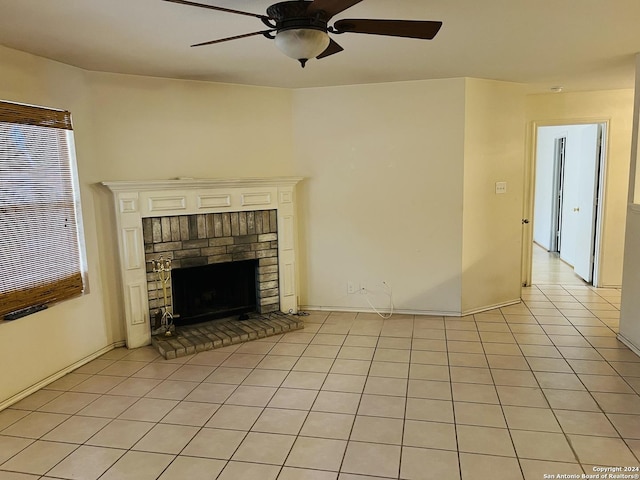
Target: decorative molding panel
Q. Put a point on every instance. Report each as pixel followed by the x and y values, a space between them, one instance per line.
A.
pixel 288 278
pixel 214 201
pixel 137 300
pixel 286 230
pixel 128 205
pixel 286 197
pixel 163 204
pixel 131 240
pixel 255 199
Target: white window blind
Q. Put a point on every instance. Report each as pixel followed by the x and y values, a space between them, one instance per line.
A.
pixel 40 258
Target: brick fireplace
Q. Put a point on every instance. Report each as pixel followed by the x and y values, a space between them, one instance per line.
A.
pixel 198 222
pixel 192 241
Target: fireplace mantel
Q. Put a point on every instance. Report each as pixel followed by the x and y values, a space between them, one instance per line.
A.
pixel 135 200
pixel 192 183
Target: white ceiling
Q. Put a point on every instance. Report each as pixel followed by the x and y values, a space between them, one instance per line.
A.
pixel 578 44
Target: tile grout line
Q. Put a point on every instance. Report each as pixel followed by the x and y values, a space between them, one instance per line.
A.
pixel 587 390
pixel 453 408
pixel 504 416
pixel 299 357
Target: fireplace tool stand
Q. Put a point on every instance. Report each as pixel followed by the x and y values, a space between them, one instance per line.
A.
pixel 163 322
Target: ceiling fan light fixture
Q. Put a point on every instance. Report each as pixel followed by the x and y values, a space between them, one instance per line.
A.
pixel 302 30
pixel 302 43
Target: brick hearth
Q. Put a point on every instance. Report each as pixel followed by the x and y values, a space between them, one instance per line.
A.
pixel 204 336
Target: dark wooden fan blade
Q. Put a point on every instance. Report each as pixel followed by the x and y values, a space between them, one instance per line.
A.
pixel 332 49
pixel 252 34
pixel 423 29
pixel 220 9
pixel 331 7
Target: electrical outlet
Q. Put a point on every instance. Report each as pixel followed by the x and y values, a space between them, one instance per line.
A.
pixel 362 289
pixel 351 288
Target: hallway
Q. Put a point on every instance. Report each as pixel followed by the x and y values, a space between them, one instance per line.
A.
pixel 548 269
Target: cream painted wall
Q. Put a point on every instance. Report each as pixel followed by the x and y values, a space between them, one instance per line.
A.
pixel 36 347
pixel 492 223
pixel 630 306
pixel 616 106
pixel 150 128
pixel 634 176
pixel 383 195
pixel 390 168
pixel 130 128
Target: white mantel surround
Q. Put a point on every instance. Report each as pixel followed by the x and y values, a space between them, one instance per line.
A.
pixel 135 200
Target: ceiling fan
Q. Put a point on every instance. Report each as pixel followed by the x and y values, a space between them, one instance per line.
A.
pixel 302 31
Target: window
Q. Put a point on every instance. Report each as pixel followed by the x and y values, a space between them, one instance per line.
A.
pixel 40 255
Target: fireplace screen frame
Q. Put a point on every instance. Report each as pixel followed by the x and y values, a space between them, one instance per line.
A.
pixel 214 291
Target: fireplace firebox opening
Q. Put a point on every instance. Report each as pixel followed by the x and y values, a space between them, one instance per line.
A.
pixel 214 291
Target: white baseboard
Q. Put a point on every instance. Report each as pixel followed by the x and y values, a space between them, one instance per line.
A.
pixel 632 346
pixel 52 378
pixel 438 313
pixel 492 307
pixel 381 310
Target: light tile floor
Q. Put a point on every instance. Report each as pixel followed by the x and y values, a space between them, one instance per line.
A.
pixel 549 269
pixel 538 388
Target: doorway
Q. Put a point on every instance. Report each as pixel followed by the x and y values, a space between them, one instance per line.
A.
pixel 558 171
pixel 566 175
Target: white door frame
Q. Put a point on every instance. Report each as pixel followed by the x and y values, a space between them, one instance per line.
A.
pixel 558 187
pixel 531 143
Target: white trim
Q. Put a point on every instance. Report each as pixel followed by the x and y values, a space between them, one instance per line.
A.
pixel 383 310
pixel 190 183
pixel 438 313
pixel 634 348
pixel 492 307
pixel 52 378
pixel 531 146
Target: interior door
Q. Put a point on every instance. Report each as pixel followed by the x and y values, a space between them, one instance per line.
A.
pixel 572 172
pixel 557 189
pixel 584 212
